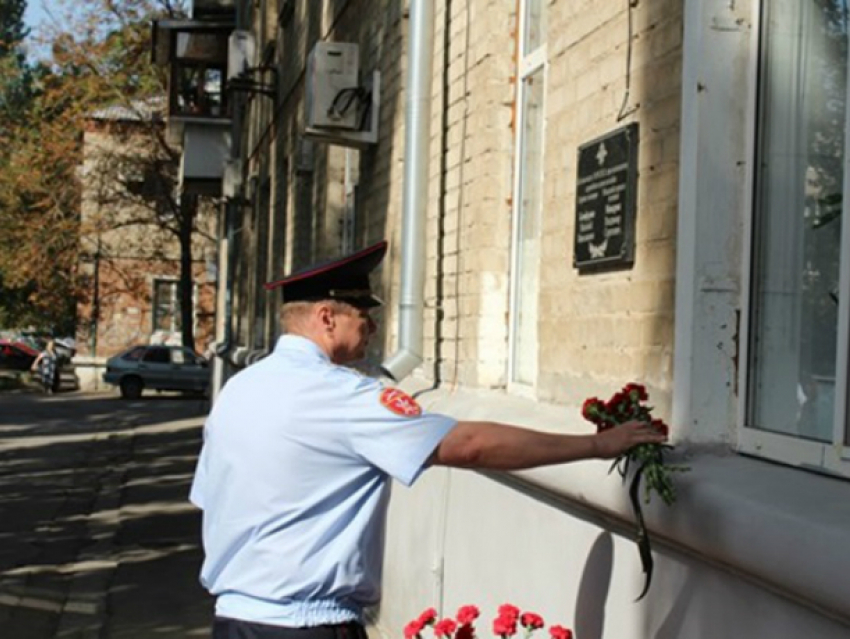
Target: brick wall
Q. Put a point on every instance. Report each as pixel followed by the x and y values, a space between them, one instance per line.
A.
pixel 595 331
pixel 125 251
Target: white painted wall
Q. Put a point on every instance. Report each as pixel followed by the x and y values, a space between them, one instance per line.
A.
pixel 746 552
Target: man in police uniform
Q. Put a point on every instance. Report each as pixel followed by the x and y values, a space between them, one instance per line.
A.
pixel 293 477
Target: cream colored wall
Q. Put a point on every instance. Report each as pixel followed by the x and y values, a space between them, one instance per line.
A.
pixel 596 331
pixel 599 331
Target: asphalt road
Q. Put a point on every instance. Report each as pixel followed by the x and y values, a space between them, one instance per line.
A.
pixel 97 538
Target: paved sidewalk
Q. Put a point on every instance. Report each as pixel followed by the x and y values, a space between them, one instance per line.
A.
pixel 97 539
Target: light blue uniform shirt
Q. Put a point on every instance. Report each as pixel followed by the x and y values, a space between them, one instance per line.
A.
pixel 293 480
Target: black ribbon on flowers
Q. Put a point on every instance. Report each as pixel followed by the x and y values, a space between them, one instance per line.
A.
pixel 642 539
pixel 644 547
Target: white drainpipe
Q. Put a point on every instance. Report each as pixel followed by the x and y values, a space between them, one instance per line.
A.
pixel 414 205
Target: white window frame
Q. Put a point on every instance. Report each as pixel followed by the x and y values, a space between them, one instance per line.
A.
pixel 173 280
pixel 833 457
pixel 529 64
pixel 718 126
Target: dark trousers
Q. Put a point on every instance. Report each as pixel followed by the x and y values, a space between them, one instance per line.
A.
pixel 224 628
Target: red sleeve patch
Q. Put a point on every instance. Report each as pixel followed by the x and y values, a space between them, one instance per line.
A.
pixel 400 403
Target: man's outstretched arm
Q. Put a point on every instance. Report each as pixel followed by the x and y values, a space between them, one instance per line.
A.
pixel 494 446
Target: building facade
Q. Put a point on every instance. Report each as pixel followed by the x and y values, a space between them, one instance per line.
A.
pixel 131 255
pixel 577 195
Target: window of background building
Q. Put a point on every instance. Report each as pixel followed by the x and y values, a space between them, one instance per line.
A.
pixel 198 73
pixel 166 306
pixel 797 332
pixel 525 276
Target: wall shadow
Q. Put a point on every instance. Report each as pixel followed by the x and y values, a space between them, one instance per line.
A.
pixel 593 589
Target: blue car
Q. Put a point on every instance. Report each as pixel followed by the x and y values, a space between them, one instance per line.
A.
pixel 171 368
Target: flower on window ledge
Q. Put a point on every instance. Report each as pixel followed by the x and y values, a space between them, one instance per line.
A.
pixel 624 406
pixel 462 626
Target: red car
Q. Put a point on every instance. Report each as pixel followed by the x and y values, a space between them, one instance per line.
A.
pixel 16 356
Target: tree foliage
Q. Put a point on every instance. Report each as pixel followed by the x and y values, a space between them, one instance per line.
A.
pixel 99 60
pixel 16 76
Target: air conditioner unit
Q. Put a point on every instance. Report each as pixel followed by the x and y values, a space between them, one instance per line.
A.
pixel 241 53
pixel 367 131
pixel 334 95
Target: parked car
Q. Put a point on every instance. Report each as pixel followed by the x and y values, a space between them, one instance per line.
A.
pixel 158 367
pixel 16 356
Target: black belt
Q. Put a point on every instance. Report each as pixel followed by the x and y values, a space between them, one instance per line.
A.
pixel 225 628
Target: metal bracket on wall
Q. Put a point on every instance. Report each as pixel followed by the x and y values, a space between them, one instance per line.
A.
pixel 244 82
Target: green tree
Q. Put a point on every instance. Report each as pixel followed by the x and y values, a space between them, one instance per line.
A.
pixel 18 91
pixel 99 59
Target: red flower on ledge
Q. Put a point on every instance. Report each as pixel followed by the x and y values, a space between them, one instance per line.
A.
pixel 462 625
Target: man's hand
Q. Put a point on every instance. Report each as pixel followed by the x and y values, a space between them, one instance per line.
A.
pixel 619 439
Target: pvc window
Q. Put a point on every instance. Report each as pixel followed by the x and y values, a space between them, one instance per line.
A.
pixel 166 306
pixel 528 205
pixel 796 307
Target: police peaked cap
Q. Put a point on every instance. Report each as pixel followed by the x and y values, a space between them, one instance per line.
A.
pixel 345 279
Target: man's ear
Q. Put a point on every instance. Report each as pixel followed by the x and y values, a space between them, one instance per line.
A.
pixel 326 315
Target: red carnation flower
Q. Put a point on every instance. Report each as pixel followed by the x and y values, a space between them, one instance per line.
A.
pixel 636 391
pixel 619 403
pixel 428 616
pixel 660 426
pixel 467 614
pixel 531 620
pixel 412 629
pixel 504 626
pixel 559 632
pixel 592 409
pixel 445 627
pixel 509 611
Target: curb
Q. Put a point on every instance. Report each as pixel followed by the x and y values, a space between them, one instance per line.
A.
pixel 13 380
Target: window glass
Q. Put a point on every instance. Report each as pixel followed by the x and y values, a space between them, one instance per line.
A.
pixel 135 354
pixel 157 355
pixel 797 226
pixel 198 73
pixel 178 356
pixel 199 90
pixel 535 25
pixel 166 306
pixel 528 230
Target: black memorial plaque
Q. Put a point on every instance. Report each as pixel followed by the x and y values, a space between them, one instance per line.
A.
pixel 606 196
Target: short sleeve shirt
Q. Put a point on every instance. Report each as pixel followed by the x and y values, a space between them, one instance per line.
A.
pixel 293 480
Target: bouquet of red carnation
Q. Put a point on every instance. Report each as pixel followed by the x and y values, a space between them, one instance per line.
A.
pixel 625 406
pixel 462 626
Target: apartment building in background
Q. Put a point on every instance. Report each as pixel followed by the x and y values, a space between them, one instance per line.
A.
pixel 131 260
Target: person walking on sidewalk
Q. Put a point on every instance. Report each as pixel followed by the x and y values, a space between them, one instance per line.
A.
pixel 46 364
pixel 294 472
